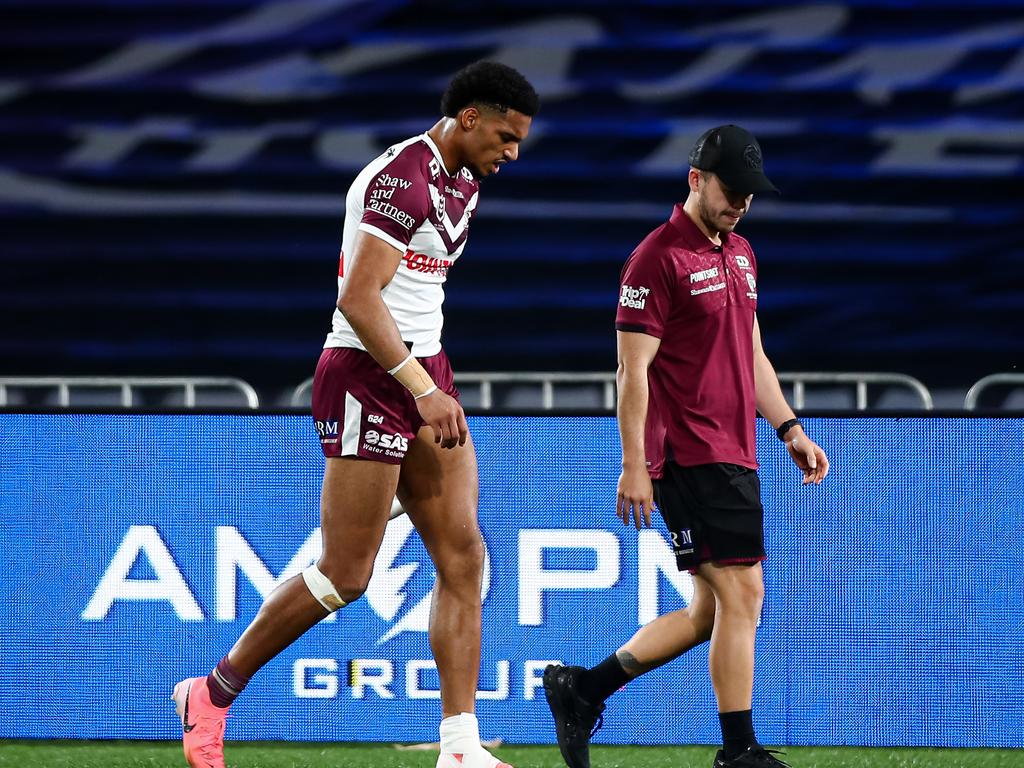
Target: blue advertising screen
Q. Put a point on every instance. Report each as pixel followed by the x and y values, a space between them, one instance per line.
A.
pixel 136 548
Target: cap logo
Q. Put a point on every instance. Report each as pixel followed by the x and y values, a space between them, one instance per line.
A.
pixel 752 157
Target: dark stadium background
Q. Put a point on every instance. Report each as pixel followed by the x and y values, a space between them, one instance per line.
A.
pixel 172 181
pixel 172 177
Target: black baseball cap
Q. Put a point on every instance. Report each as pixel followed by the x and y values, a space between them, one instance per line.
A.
pixel 733 154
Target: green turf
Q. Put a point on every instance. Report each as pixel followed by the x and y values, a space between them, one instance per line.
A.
pixel 158 754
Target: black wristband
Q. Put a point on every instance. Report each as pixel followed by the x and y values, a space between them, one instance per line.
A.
pixel 785 426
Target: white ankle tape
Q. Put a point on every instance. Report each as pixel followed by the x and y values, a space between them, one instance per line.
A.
pixel 460 733
pixel 322 589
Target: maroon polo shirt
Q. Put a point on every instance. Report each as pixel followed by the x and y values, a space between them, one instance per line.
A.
pixel 699 299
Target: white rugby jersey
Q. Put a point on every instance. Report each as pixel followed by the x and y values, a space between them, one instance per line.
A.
pixel 407 199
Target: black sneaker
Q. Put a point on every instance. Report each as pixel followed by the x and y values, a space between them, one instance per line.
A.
pixel 576 719
pixel 754 757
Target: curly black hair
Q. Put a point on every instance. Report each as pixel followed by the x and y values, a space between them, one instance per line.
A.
pixel 492 84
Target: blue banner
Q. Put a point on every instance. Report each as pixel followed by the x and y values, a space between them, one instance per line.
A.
pixel 136 548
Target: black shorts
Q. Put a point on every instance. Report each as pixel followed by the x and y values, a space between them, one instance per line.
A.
pixel 713 513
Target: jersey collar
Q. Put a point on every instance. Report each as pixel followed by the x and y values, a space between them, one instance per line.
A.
pixel 437 153
pixel 694 239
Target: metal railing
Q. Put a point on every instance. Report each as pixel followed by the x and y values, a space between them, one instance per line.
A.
pixel 800 380
pixel 548 381
pixel 127 386
pixel 485 381
pixel 298 399
pixel 974 393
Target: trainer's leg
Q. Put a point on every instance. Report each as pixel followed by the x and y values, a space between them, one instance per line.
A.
pixel 355 502
pixel 439 490
pixel 577 695
pixel 739 594
pixel 671 635
pixel 654 644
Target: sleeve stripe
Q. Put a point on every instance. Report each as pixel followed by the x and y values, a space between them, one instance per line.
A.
pixel 394 243
pixel 639 328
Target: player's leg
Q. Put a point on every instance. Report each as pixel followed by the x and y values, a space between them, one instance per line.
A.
pixel 355 503
pixel 439 490
pixel 360 479
pixel 358 487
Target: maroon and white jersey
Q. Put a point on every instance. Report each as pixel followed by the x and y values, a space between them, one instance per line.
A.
pixel 699 299
pixel 407 199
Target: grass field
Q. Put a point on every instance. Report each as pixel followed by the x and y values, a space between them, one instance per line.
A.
pixel 161 754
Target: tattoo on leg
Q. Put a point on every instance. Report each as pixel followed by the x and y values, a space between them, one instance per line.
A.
pixel 630 665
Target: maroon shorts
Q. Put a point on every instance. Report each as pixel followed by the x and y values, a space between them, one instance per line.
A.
pixel 361 410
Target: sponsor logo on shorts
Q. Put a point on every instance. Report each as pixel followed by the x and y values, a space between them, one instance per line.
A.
pixel 634 298
pixel 682 542
pixel 389 445
pixel 328 431
pixel 707 274
pixel 397 215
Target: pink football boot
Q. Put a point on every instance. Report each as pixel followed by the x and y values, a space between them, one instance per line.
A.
pixel 202 723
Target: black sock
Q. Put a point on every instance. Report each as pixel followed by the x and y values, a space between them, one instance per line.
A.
pixel 737 732
pixel 598 683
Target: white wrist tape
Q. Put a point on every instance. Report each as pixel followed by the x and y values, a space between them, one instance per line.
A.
pixel 322 589
pixel 398 367
pixel 430 391
pixel 414 377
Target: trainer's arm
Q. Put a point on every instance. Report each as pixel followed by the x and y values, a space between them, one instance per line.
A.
pixel 373 265
pixel 772 404
pixel 770 400
pixel 636 352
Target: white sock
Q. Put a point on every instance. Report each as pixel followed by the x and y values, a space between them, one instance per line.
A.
pixel 460 734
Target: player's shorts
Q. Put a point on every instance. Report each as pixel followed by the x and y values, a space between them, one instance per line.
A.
pixel 360 410
pixel 713 513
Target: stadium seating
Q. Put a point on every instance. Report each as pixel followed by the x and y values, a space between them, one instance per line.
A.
pixel 171 185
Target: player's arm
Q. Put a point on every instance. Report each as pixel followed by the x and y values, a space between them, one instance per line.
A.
pixel 372 266
pixel 636 352
pixel 807 455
